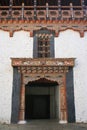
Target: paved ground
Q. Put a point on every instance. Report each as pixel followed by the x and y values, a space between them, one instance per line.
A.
pixel 43 125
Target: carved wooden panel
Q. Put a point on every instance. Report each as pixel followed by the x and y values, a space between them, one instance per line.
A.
pixel 63 102
pixel 22 62
pixel 52 25
pixel 50 77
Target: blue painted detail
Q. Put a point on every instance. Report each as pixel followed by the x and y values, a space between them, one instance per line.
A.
pixel 70 96
pixel 15 95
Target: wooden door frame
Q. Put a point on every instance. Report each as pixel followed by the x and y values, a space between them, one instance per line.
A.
pixel 50 69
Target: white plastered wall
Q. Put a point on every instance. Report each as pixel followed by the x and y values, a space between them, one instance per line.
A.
pixel 69 44
pixel 20 45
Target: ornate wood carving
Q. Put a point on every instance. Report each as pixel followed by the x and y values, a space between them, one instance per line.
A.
pixel 52 62
pixel 50 77
pixel 45 68
pixel 16 25
pixel 63 102
pixel 22 100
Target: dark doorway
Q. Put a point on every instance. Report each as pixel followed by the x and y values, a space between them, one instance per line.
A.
pixel 37 107
pixel 40 99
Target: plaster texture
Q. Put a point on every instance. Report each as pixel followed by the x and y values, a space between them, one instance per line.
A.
pixel 69 44
pixel 21 45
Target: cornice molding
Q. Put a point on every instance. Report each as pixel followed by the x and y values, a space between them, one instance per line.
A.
pixel 57 26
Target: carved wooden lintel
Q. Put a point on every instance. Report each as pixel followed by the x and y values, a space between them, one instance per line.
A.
pixel 57 26
pixel 42 67
pixel 43 62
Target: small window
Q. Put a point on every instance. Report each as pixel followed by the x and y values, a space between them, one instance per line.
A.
pixel 43 44
pixel 43 47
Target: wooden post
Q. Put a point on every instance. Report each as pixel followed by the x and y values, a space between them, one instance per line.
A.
pixel 35 9
pixel 71 9
pixel 63 103
pixel 10 8
pixel 22 13
pixel 22 103
pixel 47 11
pixel 59 9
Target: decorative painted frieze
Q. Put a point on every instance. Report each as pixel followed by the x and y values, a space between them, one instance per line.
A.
pixel 43 62
pixel 54 26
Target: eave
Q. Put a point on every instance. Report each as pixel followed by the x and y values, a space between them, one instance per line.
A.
pixel 57 26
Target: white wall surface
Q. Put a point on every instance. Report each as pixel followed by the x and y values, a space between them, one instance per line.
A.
pixel 20 45
pixel 67 45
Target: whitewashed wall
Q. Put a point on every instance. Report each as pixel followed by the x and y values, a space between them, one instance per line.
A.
pixel 70 45
pixel 67 45
pixel 20 45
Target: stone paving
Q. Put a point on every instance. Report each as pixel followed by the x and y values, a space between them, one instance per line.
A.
pixel 44 125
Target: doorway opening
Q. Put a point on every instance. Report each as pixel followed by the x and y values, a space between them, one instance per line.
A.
pixel 42 100
pixel 37 107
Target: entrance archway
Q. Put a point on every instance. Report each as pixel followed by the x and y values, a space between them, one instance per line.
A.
pixel 50 70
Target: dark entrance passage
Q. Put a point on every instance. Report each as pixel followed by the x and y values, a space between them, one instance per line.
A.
pixel 37 107
pixel 41 97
